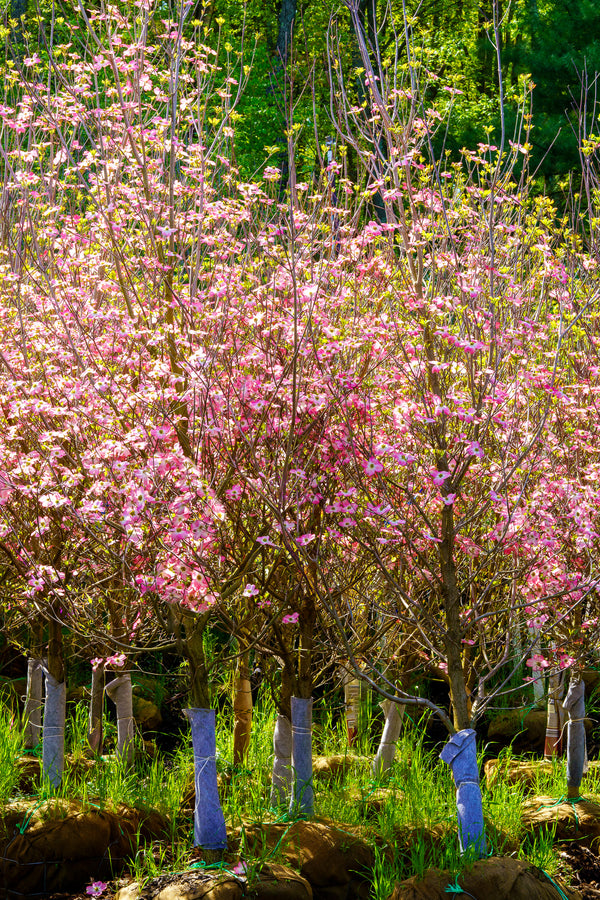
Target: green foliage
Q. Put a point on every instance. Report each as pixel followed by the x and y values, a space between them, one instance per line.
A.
pixel 11 748
pixel 544 47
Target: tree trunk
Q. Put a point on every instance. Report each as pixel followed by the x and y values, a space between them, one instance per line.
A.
pixel 18 11
pixel 242 711
pixel 195 627
pixel 281 779
pixel 536 671
pixel 285 30
pixel 307 621
pixel 574 703
pixel 454 630
pixel 95 724
pixel 367 22
pixel 555 720
pixel 287 16
pixel 352 692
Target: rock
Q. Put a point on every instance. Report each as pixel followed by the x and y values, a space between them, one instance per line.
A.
pixel 146 713
pixel 278 882
pixel 497 878
pixel 131 891
pixel 578 820
pixel 333 860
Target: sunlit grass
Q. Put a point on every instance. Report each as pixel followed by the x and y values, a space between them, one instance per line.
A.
pixel 11 748
pixel 408 816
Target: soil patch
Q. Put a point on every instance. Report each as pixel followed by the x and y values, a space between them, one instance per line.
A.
pixel 584 868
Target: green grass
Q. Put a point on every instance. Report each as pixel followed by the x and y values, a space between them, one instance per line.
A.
pixel 11 747
pixel 408 816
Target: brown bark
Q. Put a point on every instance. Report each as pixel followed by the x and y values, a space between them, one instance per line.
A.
pixel 307 620
pixel 95 730
pixel 195 627
pixel 454 630
pixel 242 711
pixel 287 692
pixel 56 665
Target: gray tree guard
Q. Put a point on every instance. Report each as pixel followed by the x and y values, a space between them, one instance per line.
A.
pixel 32 713
pixel 120 692
pixel 281 781
pixel 302 799
pixel 53 738
pixel 209 823
pixel 460 753
pixel 574 703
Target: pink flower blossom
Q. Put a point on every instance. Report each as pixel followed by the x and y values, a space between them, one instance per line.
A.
pixel 537 661
pixel 250 591
pixel 565 662
pixel 537 622
pixel 474 449
pixel 304 539
pixel 440 477
pixel 290 619
pixel 271 173
pixel 162 432
pixel 372 466
pixel 116 660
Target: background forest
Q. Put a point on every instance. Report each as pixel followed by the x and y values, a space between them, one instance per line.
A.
pixel 548 52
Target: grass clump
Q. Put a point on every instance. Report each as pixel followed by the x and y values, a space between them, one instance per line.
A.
pixel 12 746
